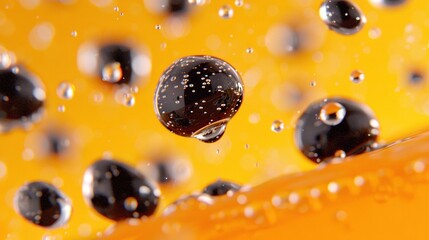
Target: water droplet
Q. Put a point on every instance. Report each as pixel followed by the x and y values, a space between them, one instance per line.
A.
pixel 357 76
pixel 342 16
pixel 415 78
pixel 226 12
pixel 249 50
pixel 241 199
pixel 294 198
pixel 313 83
pixel 221 187
pixel 249 212
pixel 277 126
pixel 65 90
pixel 112 72
pixel 359 181
pixel 43 204
pixel 332 113
pixel 158 27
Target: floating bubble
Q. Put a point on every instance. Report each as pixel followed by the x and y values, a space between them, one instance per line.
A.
pixel 43 204
pixel 226 12
pixel 357 76
pixel 332 113
pixel 277 126
pixel 65 90
pixel 197 96
pixel 342 16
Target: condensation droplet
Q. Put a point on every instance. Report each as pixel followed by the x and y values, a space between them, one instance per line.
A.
pixel 65 90
pixel 226 12
pixel 332 113
pixel 112 72
pixel 277 126
pixel 357 76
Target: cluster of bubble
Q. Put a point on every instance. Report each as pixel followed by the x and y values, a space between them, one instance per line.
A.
pixel 195 97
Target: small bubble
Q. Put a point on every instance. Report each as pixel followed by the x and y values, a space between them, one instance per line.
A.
pixel 333 187
pixel 128 100
pixel 359 181
pixel 112 72
pixel 415 78
pixel 73 33
pixel 226 12
pixel 341 216
pixel 130 204
pixel 313 83
pixel 293 198
pixel 277 126
pixel 419 166
pixel 340 154
pixel 242 199
pixel 61 108
pixel 116 9
pixel 374 33
pixel 217 151
pixel 249 50
pixel 65 90
pixel 332 113
pixel 158 27
pixel 249 212
pixel 239 3
pixel 357 76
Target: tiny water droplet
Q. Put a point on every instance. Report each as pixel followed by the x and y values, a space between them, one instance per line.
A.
pixel 65 90
pixel 226 12
pixel 249 50
pixel 332 113
pixel 74 33
pixel 158 27
pixel 357 76
pixel 313 83
pixel 277 126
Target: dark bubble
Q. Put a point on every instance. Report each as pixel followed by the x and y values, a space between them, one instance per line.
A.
pixel 415 78
pixel 221 187
pixel 197 95
pixel 43 204
pixel 342 16
pixel 118 191
pixel 354 133
pixel 112 54
pixel 21 97
pixel 177 6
